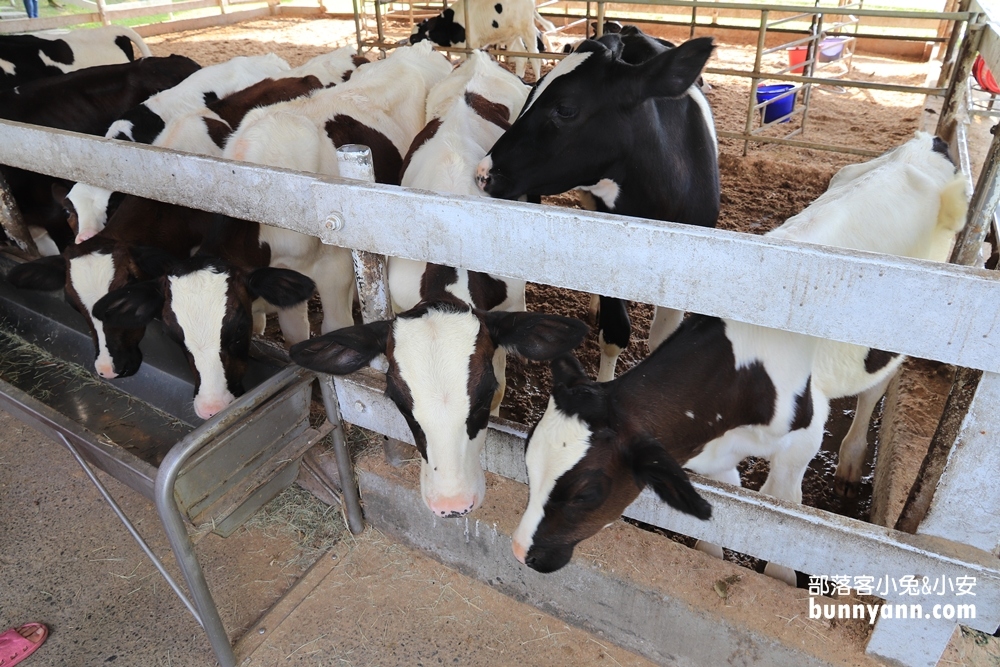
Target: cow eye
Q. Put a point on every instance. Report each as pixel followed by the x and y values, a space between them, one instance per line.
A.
pixel 565 112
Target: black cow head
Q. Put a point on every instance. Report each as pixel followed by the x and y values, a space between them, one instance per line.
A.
pixel 441 29
pixel 597 121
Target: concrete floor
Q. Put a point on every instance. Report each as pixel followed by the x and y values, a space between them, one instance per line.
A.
pixel 65 560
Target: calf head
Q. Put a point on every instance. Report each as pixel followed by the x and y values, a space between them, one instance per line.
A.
pixel 87 272
pixel 585 467
pixel 441 378
pixel 441 29
pixel 580 124
pixel 205 305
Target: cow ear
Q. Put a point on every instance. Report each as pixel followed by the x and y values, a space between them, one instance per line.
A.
pixel 280 287
pixel 131 307
pixel 534 335
pixel 343 351
pixel 45 274
pixel 59 193
pixel 652 466
pixel 151 262
pixel 672 72
pixel 567 370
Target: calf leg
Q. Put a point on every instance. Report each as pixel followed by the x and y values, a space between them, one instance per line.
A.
pixel 334 277
pixel 788 466
pixel 731 476
pixel 294 322
pixel 593 309
pixel 500 370
pixel 665 322
pixel 851 460
pixel 614 330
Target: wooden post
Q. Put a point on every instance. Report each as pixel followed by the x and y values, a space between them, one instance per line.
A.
pixel 954 100
pixel 13 223
pixel 102 11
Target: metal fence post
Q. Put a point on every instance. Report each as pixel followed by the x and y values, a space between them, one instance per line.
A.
pixel 954 100
pixel 373 285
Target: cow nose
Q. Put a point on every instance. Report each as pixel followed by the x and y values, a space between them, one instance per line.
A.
pixel 210 407
pixel 519 551
pixel 105 368
pixel 483 177
pixel 454 506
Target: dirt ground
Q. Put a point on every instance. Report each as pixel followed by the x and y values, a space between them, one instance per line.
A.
pixel 759 191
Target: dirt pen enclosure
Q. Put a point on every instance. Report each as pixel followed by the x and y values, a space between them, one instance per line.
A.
pixel 636 584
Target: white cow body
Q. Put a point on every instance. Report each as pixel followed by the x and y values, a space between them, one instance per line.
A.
pixel 93 47
pixel 447 161
pixel 909 202
pixel 188 96
pixel 388 96
pixel 190 131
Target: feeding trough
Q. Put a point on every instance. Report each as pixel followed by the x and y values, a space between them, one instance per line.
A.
pixel 781 98
pixel 142 430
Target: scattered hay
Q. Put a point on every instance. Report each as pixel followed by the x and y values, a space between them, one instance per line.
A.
pixel 296 513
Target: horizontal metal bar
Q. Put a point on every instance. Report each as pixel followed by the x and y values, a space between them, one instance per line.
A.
pixel 726 134
pixel 735 26
pixel 803 9
pixel 846 83
pixel 929 310
pixel 797 536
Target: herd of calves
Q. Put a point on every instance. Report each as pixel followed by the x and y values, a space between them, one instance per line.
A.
pixel 620 119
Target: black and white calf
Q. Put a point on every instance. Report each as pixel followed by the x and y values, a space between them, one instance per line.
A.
pixel 206 306
pixel 205 131
pixel 86 101
pixel 622 120
pixel 507 23
pixel 441 374
pixel 25 58
pixel 718 391
pixel 141 240
pixel 448 341
pixel 146 122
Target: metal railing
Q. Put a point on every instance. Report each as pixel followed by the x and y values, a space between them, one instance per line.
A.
pixel 843 16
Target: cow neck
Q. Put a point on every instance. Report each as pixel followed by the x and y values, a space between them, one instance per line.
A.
pixel 699 392
pixel 469 288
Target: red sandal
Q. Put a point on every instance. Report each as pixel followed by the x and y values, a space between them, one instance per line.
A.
pixel 14 647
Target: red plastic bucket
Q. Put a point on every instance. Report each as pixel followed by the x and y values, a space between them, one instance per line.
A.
pixel 984 77
pixel 797 56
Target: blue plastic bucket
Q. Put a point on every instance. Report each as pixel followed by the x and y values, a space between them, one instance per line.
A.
pixel 782 107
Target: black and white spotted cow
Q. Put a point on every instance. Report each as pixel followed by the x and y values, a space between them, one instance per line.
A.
pixel 508 23
pixel 448 342
pixel 622 120
pixel 39 55
pixel 86 101
pixel 717 390
pixel 146 122
pixel 382 105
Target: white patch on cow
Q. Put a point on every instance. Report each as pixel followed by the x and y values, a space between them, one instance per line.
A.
pixel 706 113
pixel 120 127
pixel 605 189
pixel 432 353
pixel 91 204
pixel 198 301
pixel 7 67
pixel 689 414
pixel 718 417
pixel 91 275
pixel 460 288
pixel 62 67
pixel 564 67
pixel 559 442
